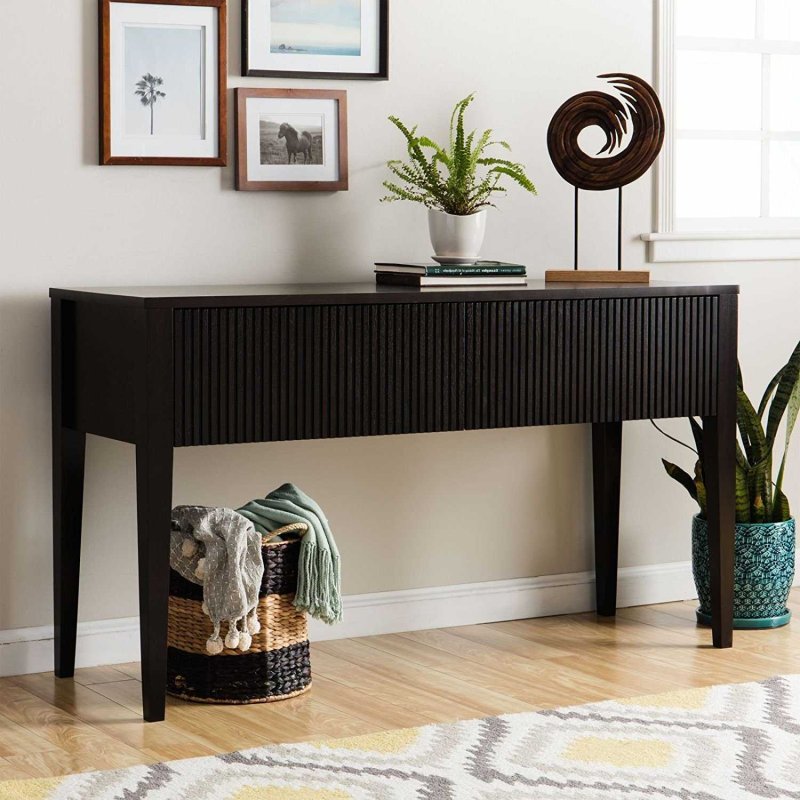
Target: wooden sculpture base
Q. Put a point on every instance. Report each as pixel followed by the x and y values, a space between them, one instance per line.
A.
pixel 596 276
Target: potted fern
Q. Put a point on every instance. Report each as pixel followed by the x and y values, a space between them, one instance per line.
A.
pixel 765 528
pixel 456 183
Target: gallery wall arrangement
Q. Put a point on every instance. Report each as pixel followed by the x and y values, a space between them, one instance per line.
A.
pixel 163 76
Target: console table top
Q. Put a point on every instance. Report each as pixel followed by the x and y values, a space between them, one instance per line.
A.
pixel 368 293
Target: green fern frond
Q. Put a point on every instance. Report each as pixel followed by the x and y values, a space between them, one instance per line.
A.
pixel 440 154
pixel 517 176
pixel 448 178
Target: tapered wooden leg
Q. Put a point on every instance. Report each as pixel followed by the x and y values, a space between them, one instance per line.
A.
pixel 719 445
pixel 154 502
pixel 606 466
pixel 154 442
pixel 69 453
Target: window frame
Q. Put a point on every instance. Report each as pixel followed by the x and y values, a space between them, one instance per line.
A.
pixel 715 239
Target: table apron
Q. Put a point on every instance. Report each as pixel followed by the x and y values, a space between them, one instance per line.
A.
pixel 310 372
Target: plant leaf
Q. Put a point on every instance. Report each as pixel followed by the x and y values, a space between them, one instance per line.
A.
pixel 793 408
pixel 742 496
pixel 753 437
pixel 789 376
pixel 762 406
pixel 697 433
pixel 781 511
pixel 517 177
pixel 681 476
pixel 700 487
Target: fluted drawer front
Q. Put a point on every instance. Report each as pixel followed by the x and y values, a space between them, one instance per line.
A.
pixel 309 372
pixel 594 360
pixel 315 372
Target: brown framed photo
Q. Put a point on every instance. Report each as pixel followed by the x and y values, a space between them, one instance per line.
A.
pixel 291 140
pixel 163 82
pixel 340 39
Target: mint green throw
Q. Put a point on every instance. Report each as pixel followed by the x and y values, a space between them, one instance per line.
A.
pixel 319 574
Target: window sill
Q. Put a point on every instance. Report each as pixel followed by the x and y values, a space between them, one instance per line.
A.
pixel 722 246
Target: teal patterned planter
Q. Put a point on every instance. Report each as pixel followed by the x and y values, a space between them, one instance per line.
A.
pixel 763 572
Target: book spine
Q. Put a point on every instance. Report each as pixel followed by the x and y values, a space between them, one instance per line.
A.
pixel 462 272
pixel 397 279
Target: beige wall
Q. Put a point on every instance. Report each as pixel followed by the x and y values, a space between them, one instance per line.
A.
pixel 408 511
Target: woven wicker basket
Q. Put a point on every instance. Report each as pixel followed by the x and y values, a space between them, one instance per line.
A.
pixel 276 666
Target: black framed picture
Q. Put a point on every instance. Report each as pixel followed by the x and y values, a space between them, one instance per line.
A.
pixel 344 39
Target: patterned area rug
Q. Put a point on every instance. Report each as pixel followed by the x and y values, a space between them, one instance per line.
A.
pixel 722 743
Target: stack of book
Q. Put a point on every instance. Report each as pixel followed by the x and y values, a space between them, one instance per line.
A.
pixel 478 273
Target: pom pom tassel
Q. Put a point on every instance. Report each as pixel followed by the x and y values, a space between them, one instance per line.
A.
pixel 188 548
pixel 214 643
pixel 253 625
pixel 232 639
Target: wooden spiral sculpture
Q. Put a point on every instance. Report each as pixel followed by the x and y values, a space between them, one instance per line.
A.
pixel 639 108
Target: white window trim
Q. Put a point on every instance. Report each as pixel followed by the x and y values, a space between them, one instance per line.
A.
pixel 668 245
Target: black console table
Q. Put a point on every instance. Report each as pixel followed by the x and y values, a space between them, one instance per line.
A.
pixel 178 367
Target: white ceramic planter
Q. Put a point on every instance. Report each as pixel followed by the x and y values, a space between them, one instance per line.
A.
pixel 457 237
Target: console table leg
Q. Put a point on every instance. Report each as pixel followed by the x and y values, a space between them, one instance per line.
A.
pixel 720 480
pixel 154 456
pixel 154 502
pixel 606 467
pixel 719 443
pixel 69 454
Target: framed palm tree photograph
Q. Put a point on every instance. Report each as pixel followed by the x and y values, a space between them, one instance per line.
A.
pixel 343 39
pixel 163 82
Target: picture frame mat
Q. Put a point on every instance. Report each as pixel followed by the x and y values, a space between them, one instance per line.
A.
pixel 259 29
pixel 162 15
pixel 277 106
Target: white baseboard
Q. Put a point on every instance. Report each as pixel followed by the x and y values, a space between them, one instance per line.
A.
pixel 108 641
pixel 116 641
pixel 495 601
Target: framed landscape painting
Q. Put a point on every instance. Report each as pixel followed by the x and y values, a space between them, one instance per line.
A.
pixel 345 39
pixel 163 82
pixel 291 140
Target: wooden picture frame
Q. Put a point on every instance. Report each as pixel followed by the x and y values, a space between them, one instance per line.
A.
pixel 255 168
pixel 253 61
pixel 208 147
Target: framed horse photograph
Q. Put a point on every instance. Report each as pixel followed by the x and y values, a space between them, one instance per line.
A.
pixel 291 140
pixel 341 39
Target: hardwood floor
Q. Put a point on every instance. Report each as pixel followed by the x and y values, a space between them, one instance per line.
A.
pixel 52 727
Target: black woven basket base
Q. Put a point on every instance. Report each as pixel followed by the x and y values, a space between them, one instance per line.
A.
pixel 239 679
pixel 251 702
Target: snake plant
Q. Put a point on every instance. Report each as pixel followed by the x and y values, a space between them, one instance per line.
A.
pixel 758 499
pixel 459 179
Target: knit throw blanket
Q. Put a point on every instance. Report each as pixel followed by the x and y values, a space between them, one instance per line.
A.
pixel 319 574
pixel 220 550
